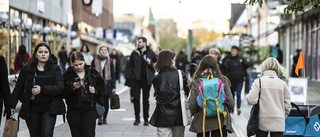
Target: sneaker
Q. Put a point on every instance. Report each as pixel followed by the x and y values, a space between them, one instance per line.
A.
pixel 146 123
pixel 136 122
pixel 239 111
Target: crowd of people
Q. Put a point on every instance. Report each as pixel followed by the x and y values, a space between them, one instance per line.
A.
pixel 90 80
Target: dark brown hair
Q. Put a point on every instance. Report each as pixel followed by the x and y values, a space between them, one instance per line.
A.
pixel 76 56
pixel 143 39
pixel 209 63
pixel 164 60
pixel 33 60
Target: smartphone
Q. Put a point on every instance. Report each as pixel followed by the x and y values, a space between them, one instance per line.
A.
pixel 77 79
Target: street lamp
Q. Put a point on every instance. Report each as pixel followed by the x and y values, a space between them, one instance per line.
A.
pixel 73 34
pixel 37 28
pixel 28 26
pixel 46 31
pixel 3 18
pixel 17 22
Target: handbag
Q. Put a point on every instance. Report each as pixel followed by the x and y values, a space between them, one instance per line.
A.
pixel 100 109
pixel 11 127
pixel 186 115
pixel 114 101
pixel 253 123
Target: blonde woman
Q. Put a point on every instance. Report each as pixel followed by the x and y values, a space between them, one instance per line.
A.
pixel 274 97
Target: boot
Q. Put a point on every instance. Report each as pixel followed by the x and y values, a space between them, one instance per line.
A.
pixel 104 120
pixel 100 121
pixel 137 121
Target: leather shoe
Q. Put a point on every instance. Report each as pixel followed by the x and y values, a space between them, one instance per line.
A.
pixel 146 123
pixel 136 122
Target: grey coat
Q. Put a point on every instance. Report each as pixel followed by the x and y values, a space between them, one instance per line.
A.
pixel 211 122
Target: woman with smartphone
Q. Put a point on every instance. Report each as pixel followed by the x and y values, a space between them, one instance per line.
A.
pixel 103 64
pixel 39 84
pixel 83 87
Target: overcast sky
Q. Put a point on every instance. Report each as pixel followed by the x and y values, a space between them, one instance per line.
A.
pixel 210 11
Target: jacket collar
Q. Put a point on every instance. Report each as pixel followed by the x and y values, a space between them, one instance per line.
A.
pixel 269 73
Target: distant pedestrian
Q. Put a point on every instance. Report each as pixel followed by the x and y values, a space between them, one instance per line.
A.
pixel 86 54
pixel 63 59
pixel 235 70
pixel 195 62
pixel 181 61
pixel 103 64
pixel 209 65
pixel 39 83
pixel 276 52
pixel 167 116
pixel 83 87
pixel 123 62
pixel 141 71
pixel 274 99
pixel 116 63
pixel 158 50
pixel 21 59
pixel 215 53
pixel 294 64
pixel 5 94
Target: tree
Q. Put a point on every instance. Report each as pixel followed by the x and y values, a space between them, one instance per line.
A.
pixel 294 5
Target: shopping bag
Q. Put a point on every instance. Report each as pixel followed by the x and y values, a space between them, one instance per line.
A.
pixel 186 115
pixel 313 127
pixel 114 101
pixel 295 126
pixel 11 128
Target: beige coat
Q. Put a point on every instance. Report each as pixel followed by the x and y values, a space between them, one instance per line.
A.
pixel 274 101
pixel 211 122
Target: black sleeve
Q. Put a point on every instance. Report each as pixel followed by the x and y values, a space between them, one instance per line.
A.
pixel 185 83
pixel 92 63
pixel 245 63
pixel 4 83
pixel 153 60
pixel 99 83
pixel 68 90
pixel 19 87
pixel 113 76
pixel 57 88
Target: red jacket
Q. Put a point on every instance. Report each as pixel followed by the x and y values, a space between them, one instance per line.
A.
pixel 16 67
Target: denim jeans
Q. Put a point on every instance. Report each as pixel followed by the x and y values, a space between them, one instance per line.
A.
pixel 237 87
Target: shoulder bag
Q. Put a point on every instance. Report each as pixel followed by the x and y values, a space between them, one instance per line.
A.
pixel 253 123
pixel 186 116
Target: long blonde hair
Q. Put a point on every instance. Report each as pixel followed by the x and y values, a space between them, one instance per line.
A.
pixel 273 64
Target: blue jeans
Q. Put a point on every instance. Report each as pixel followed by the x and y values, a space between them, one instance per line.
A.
pixel 237 87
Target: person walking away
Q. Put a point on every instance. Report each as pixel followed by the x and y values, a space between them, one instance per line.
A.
pixel 103 64
pixel 39 83
pixel 294 64
pixel 207 66
pixel 167 116
pixel 141 71
pixel 63 59
pixel 275 100
pixel 83 87
pixel 195 62
pixel 235 66
pixel 123 63
pixel 276 52
pixel 116 63
pixel 5 94
pixel 181 61
pixel 21 59
pixel 86 54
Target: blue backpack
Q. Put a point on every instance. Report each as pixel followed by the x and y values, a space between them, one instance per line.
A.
pixel 211 97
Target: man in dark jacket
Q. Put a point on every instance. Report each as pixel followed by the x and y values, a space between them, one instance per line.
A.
pixel 142 73
pixel 235 69
pixel 63 59
pixel 4 89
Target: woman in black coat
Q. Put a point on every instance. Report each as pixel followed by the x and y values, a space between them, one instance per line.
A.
pixel 39 86
pixel 167 116
pixel 83 89
pixel 103 64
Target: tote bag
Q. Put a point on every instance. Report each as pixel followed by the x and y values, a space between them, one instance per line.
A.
pixel 11 127
pixel 186 115
pixel 253 123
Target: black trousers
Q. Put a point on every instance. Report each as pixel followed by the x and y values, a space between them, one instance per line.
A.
pixel 272 134
pixel 136 91
pixel 106 105
pixel 215 133
pixel 82 122
pixel 41 123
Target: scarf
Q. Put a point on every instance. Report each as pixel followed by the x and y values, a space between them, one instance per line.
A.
pixel 106 67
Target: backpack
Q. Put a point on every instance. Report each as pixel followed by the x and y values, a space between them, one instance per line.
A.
pixel 274 52
pixel 21 60
pixel 211 97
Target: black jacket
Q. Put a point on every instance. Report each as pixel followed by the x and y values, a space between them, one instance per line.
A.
pixel 52 89
pixel 135 63
pixel 167 90
pixel 5 94
pixel 235 70
pixel 73 96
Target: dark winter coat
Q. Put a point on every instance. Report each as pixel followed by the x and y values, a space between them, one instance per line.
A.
pixel 116 64
pixel 108 88
pixel 73 96
pixel 135 63
pixel 24 85
pixel 4 86
pixel 235 70
pixel 181 62
pixel 167 91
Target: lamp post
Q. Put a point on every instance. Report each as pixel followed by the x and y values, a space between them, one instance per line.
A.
pixel 54 31
pixel 37 28
pixel 46 31
pixel 28 26
pixel 16 24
